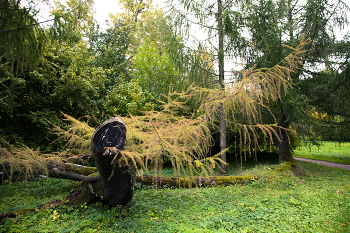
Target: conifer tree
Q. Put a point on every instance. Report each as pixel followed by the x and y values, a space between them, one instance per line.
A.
pixel 274 23
pixel 211 18
pixel 21 40
pixel 21 44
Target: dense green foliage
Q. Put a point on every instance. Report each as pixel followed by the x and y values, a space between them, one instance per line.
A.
pixel 67 75
pixel 276 201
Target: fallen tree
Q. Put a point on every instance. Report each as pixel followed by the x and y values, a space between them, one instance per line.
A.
pixel 112 181
pixel 193 181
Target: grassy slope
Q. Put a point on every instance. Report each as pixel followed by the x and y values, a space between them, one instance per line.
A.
pixel 277 201
pixel 328 151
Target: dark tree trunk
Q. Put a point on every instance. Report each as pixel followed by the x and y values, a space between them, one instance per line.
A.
pixel 284 152
pixel 222 84
pixel 117 178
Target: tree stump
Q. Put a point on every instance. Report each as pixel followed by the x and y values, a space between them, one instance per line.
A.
pixel 117 178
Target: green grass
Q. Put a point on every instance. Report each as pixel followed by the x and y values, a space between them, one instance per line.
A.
pixel 327 151
pixel 30 194
pixel 277 201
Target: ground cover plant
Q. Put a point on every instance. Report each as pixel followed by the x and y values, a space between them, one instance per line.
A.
pixel 326 151
pixel 31 194
pixel 276 201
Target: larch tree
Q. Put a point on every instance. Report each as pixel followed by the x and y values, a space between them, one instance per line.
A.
pixel 212 20
pixel 261 33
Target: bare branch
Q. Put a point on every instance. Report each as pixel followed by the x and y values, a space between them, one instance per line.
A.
pixel 73 176
pixel 80 157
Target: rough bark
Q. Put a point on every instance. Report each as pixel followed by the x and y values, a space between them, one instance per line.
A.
pixel 284 151
pixel 222 85
pixel 74 176
pixel 117 179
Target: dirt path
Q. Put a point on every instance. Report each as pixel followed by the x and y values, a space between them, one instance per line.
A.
pixel 325 163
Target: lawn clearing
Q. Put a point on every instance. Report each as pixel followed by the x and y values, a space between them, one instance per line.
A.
pixel 277 201
pixel 327 151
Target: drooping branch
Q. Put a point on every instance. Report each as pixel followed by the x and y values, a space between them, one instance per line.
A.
pixel 80 157
pixel 74 176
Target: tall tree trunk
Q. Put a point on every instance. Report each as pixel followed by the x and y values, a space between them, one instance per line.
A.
pixel 222 85
pixel 284 152
pixel 117 178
